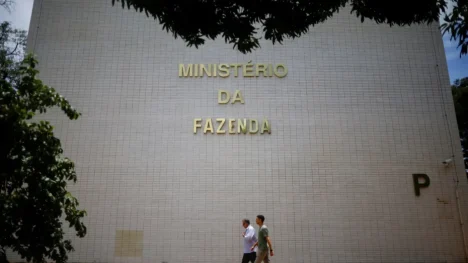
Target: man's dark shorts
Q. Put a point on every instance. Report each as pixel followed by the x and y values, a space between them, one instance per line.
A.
pixel 249 257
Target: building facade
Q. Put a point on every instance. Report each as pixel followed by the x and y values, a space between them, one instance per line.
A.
pixel 362 110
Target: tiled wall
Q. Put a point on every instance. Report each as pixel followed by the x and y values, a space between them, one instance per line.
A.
pixel 363 107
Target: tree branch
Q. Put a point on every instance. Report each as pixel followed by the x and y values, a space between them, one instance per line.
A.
pixel 7 4
pixel 14 50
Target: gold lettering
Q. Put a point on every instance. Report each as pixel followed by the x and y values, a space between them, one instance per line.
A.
pixel 252 131
pixel 222 121
pixel 220 96
pixel 281 74
pixel 242 126
pixel 231 126
pixel 248 69
pixel 266 127
pixel 238 97
pixel 261 68
pixel 195 70
pixel 185 72
pixel 204 70
pixel 236 69
pixel 225 69
pixel 196 124
pixel 208 126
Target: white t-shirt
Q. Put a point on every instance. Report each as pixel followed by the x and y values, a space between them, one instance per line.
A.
pixel 249 239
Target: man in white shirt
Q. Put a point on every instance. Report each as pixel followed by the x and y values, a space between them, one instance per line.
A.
pixel 249 240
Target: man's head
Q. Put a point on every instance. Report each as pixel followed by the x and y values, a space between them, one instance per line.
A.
pixel 245 222
pixel 260 219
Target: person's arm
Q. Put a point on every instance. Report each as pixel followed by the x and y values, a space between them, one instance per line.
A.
pixel 270 245
pixel 249 234
pixel 254 245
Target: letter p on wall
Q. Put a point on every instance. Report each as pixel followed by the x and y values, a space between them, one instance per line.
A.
pixel 418 185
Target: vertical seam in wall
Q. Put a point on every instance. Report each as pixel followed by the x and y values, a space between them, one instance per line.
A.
pixel 37 26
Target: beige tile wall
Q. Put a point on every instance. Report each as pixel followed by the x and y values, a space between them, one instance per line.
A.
pixel 362 108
